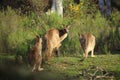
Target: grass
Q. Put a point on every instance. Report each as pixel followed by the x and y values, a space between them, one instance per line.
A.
pixel 59 68
pixel 17 32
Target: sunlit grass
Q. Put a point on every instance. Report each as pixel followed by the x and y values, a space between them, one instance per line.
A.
pixel 61 67
pixel 109 62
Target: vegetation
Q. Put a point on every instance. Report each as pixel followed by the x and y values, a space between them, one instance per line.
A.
pixel 22 20
pixel 18 30
pixel 65 68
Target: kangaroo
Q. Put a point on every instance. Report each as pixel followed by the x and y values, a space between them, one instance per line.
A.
pixel 54 37
pixel 87 42
pixel 35 55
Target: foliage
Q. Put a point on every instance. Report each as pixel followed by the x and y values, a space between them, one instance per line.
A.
pixel 19 30
pixel 26 6
pixel 9 23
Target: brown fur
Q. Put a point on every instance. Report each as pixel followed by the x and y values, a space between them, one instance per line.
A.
pixel 87 41
pixel 54 37
pixel 35 56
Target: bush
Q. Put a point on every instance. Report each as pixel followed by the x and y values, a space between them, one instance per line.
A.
pixel 9 23
pixel 18 31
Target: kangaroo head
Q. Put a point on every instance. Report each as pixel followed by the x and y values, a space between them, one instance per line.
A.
pixel 81 38
pixel 63 30
pixel 67 28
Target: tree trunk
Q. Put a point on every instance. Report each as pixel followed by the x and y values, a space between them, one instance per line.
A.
pixel 57 7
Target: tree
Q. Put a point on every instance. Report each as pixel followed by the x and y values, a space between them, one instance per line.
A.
pixel 57 7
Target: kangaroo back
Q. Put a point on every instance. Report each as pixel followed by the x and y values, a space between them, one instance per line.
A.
pixel 35 55
pixel 54 37
pixel 87 42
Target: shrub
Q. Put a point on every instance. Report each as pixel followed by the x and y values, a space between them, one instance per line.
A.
pixel 17 32
pixel 9 23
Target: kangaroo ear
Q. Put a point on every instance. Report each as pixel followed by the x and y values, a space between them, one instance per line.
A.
pixel 68 26
pixel 37 36
pixel 63 26
pixel 80 35
pixel 40 36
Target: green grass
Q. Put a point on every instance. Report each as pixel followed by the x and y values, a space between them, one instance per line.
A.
pixel 59 68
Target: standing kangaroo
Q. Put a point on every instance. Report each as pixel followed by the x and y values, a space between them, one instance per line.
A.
pixel 54 37
pixel 87 42
pixel 35 55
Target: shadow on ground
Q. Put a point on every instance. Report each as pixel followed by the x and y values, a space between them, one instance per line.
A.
pixel 22 72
